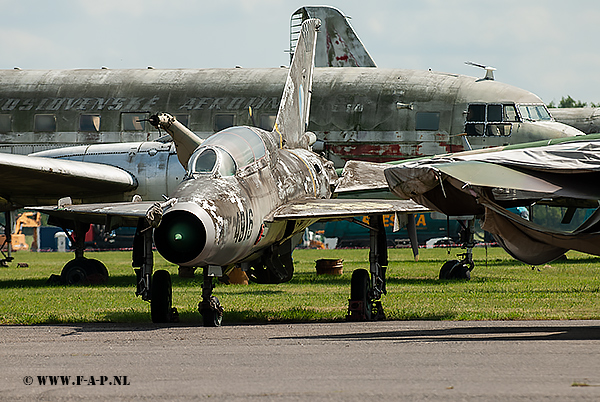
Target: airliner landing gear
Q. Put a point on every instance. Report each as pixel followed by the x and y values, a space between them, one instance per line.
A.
pixel 82 270
pixel 365 291
pixel 209 307
pixel 6 258
pixel 455 269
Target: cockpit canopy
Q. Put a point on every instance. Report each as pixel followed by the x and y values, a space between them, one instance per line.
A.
pixel 227 151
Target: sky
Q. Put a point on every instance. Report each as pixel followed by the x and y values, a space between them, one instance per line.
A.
pixel 548 47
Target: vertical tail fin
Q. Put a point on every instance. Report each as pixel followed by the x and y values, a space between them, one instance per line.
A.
pixel 292 117
pixel 338 45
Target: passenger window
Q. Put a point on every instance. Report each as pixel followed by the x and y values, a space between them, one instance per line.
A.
pixel 89 123
pixel 44 122
pixel 133 121
pixel 267 121
pixel 223 121
pixel 428 121
pixel 5 123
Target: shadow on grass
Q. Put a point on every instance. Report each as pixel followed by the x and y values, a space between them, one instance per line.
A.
pixel 298 279
pixel 113 281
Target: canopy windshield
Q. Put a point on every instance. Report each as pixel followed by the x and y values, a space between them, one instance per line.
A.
pixel 242 143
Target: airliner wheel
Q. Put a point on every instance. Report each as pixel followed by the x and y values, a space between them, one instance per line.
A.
pixel 455 269
pixel 78 271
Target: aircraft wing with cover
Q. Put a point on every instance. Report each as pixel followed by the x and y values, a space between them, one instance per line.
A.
pixel 488 184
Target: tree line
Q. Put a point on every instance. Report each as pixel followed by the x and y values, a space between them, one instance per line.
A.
pixel 569 102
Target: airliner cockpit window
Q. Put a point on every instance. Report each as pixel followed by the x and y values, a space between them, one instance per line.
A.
pixel 244 145
pixel 510 113
pixel 490 119
pixel 534 112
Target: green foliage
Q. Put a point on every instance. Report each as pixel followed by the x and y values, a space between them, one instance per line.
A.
pixel 501 288
pixel 569 102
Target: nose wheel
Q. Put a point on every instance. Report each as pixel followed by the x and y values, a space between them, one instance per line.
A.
pixel 209 307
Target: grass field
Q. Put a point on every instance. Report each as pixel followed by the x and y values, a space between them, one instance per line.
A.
pixel 501 288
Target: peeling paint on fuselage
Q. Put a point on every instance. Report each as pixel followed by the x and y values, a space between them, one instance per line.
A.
pixel 240 205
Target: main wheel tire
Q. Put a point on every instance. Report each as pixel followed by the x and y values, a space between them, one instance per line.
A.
pixel 455 269
pixel 76 271
pixel 360 285
pixel 162 296
pixel 100 274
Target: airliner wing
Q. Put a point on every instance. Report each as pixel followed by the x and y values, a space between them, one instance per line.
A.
pixel 29 180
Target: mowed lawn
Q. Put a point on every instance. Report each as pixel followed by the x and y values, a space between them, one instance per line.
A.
pixel 501 288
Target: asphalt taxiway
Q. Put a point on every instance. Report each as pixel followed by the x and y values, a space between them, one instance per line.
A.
pixel 390 360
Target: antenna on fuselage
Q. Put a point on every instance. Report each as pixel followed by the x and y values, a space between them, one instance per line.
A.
pixel 489 71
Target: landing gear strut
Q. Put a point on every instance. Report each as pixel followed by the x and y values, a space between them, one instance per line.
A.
pixel 461 269
pixel 155 288
pixel 365 292
pixel 209 307
pixel 6 258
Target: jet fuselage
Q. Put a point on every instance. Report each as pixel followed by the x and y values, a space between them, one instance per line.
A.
pixel 235 181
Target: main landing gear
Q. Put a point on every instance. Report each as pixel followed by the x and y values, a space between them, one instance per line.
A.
pixel 367 287
pixel 461 269
pixel 82 270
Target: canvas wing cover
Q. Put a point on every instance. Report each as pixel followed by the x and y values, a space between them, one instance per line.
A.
pixel 564 174
pixel 29 180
